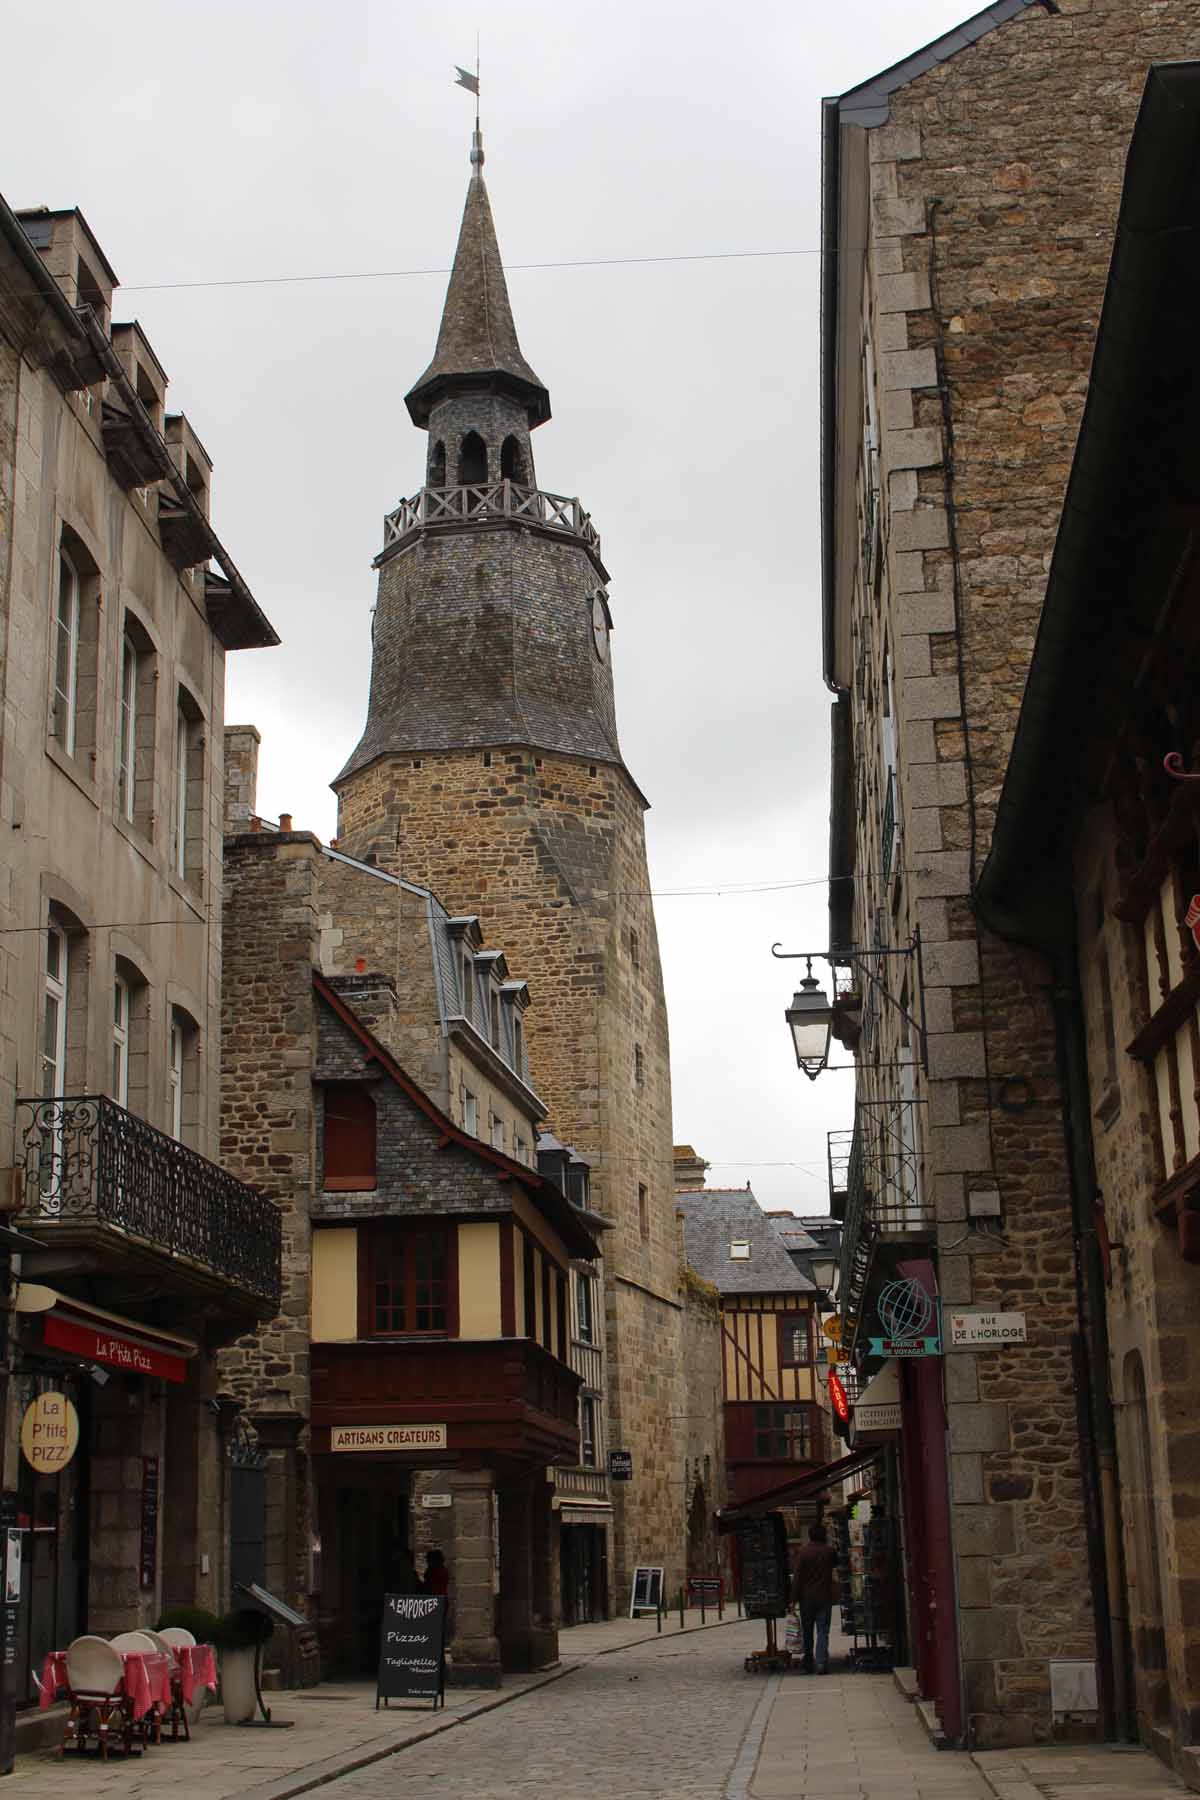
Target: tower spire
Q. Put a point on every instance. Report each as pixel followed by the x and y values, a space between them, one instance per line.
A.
pixel 477 342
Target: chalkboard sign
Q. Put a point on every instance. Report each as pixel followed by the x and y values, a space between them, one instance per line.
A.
pixel 412 1650
pixel 647 1591
pixel 763 1551
pixel 620 1465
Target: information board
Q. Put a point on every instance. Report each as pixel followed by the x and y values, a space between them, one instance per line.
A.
pixel 763 1551
pixel 412 1649
pixel 620 1465
pixel 647 1591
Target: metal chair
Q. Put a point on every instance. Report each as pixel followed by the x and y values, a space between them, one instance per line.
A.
pixel 141 1643
pixel 178 1713
pixel 95 1672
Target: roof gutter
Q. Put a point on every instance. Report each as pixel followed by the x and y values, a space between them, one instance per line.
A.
pixel 830 203
pixel 82 326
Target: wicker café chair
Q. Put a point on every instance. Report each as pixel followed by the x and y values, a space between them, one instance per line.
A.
pixel 141 1643
pixel 178 1713
pixel 98 1707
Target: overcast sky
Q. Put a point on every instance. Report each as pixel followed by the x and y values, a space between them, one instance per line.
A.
pixel 222 144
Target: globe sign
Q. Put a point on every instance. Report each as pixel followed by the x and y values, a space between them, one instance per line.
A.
pixel 905 1310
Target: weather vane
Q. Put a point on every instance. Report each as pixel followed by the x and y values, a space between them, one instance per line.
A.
pixel 464 78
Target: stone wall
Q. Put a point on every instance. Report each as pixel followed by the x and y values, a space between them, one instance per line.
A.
pixel 994 187
pixel 552 852
pixel 268 1140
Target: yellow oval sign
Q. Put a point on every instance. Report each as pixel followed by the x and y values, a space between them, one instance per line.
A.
pixel 832 1329
pixel 49 1433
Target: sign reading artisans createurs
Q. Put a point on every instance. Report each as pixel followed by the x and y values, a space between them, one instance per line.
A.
pixel 387 1437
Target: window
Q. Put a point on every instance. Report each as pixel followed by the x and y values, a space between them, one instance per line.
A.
pixel 521 1150
pixel 187 790
pixel 781 1433
pixel 639 1066
pixel 589 1439
pixel 547 1315
pixel 512 462
pixel 348 1151
pixel 495 1019
pixel 66 655
pixel 739 1250
pixel 497 1133
pixel 54 1014
pixel 472 461
pixel 175 1076
pixel 180 795
pixel 635 953
pixel 529 1283
pixel 518 1061
pixel 127 728
pixel 467 979
pixel 470 1112
pixel 643 1210
pixel 120 1041
pixel 793 1340
pixel 560 1308
pixel 437 465
pixel 409 1282
pixel 583 1309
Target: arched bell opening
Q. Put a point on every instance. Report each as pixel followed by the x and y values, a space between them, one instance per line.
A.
pixel 472 461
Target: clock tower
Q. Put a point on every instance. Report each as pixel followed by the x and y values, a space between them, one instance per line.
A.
pixel 489 770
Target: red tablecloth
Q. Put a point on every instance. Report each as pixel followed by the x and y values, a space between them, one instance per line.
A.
pixel 147 1678
pixel 197 1668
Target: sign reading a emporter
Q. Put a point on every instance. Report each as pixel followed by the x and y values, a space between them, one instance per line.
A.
pixel 412 1661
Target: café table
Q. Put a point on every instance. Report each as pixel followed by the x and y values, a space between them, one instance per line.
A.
pixel 146 1680
pixel 197 1668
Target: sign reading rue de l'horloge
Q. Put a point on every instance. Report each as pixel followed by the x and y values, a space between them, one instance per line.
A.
pixel 911 1321
pixel 412 1649
pixel 981 1330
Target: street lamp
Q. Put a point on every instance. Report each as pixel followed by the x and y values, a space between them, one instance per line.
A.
pixel 810 1017
pixel 824 1266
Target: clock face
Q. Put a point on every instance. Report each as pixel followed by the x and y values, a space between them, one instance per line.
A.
pixel 600 627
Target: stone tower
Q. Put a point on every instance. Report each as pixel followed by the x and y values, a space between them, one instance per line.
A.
pixel 489 770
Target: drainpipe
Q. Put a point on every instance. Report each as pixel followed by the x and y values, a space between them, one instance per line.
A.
pixel 1096 1413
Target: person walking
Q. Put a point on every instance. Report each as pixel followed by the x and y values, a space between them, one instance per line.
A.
pixel 812 1591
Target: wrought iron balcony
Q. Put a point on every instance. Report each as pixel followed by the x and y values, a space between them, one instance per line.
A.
pixel 89 1167
pixel 875 1188
pixel 558 513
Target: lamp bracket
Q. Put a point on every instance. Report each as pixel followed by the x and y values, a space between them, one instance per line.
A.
pixel 854 957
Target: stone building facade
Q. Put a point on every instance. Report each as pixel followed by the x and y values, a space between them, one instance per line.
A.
pixel 378 1086
pixel 489 770
pixel 1100 798
pixel 982 177
pixel 118 603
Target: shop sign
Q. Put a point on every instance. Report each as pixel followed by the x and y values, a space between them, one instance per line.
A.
pixel 838 1399
pixel 387 1437
pixel 90 1345
pixel 982 1329
pixel 883 1416
pixel 148 1560
pixel 435 1500
pixel 909 1317
pixel 49 1433
pixel 620 1465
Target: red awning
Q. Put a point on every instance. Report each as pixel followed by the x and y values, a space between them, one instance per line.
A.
pixel 813 1481
pixel 91 1334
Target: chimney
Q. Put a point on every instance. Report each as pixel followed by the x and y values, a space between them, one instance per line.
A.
pixel 690 1170
pixel 241 776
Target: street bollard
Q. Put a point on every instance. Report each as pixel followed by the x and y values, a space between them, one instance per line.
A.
pixel 658 1615
pixel 703 1614
pixel 721 1601
pixel 681 1609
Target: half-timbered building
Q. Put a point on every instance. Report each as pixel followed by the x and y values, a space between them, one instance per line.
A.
pixel 773 1425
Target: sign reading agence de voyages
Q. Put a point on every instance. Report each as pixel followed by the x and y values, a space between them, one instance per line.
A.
pixel 387 1437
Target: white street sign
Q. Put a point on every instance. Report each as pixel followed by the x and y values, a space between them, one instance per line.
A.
pixel 983 1329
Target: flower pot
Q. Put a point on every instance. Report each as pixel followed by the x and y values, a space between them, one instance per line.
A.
pixel 237 1685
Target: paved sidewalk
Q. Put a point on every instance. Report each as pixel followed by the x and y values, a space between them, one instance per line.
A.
pixel 855 1737
pixel 1078 1772
pixel 335 1729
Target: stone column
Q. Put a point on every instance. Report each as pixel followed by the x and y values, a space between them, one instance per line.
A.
pixel 474 1648
pixel 516 1574
pixel 547 1606
pixel 278 1432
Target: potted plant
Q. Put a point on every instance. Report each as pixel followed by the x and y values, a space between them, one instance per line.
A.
pixel 239 1636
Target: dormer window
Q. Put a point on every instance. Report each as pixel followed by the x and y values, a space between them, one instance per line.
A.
pixel 518 1061
pixel 349 1148
pixel 467 974
pixel 739 1250
pixel 495 1019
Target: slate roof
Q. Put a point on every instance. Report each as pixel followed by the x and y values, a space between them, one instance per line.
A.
pixel 713 1218
pixel 477 336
